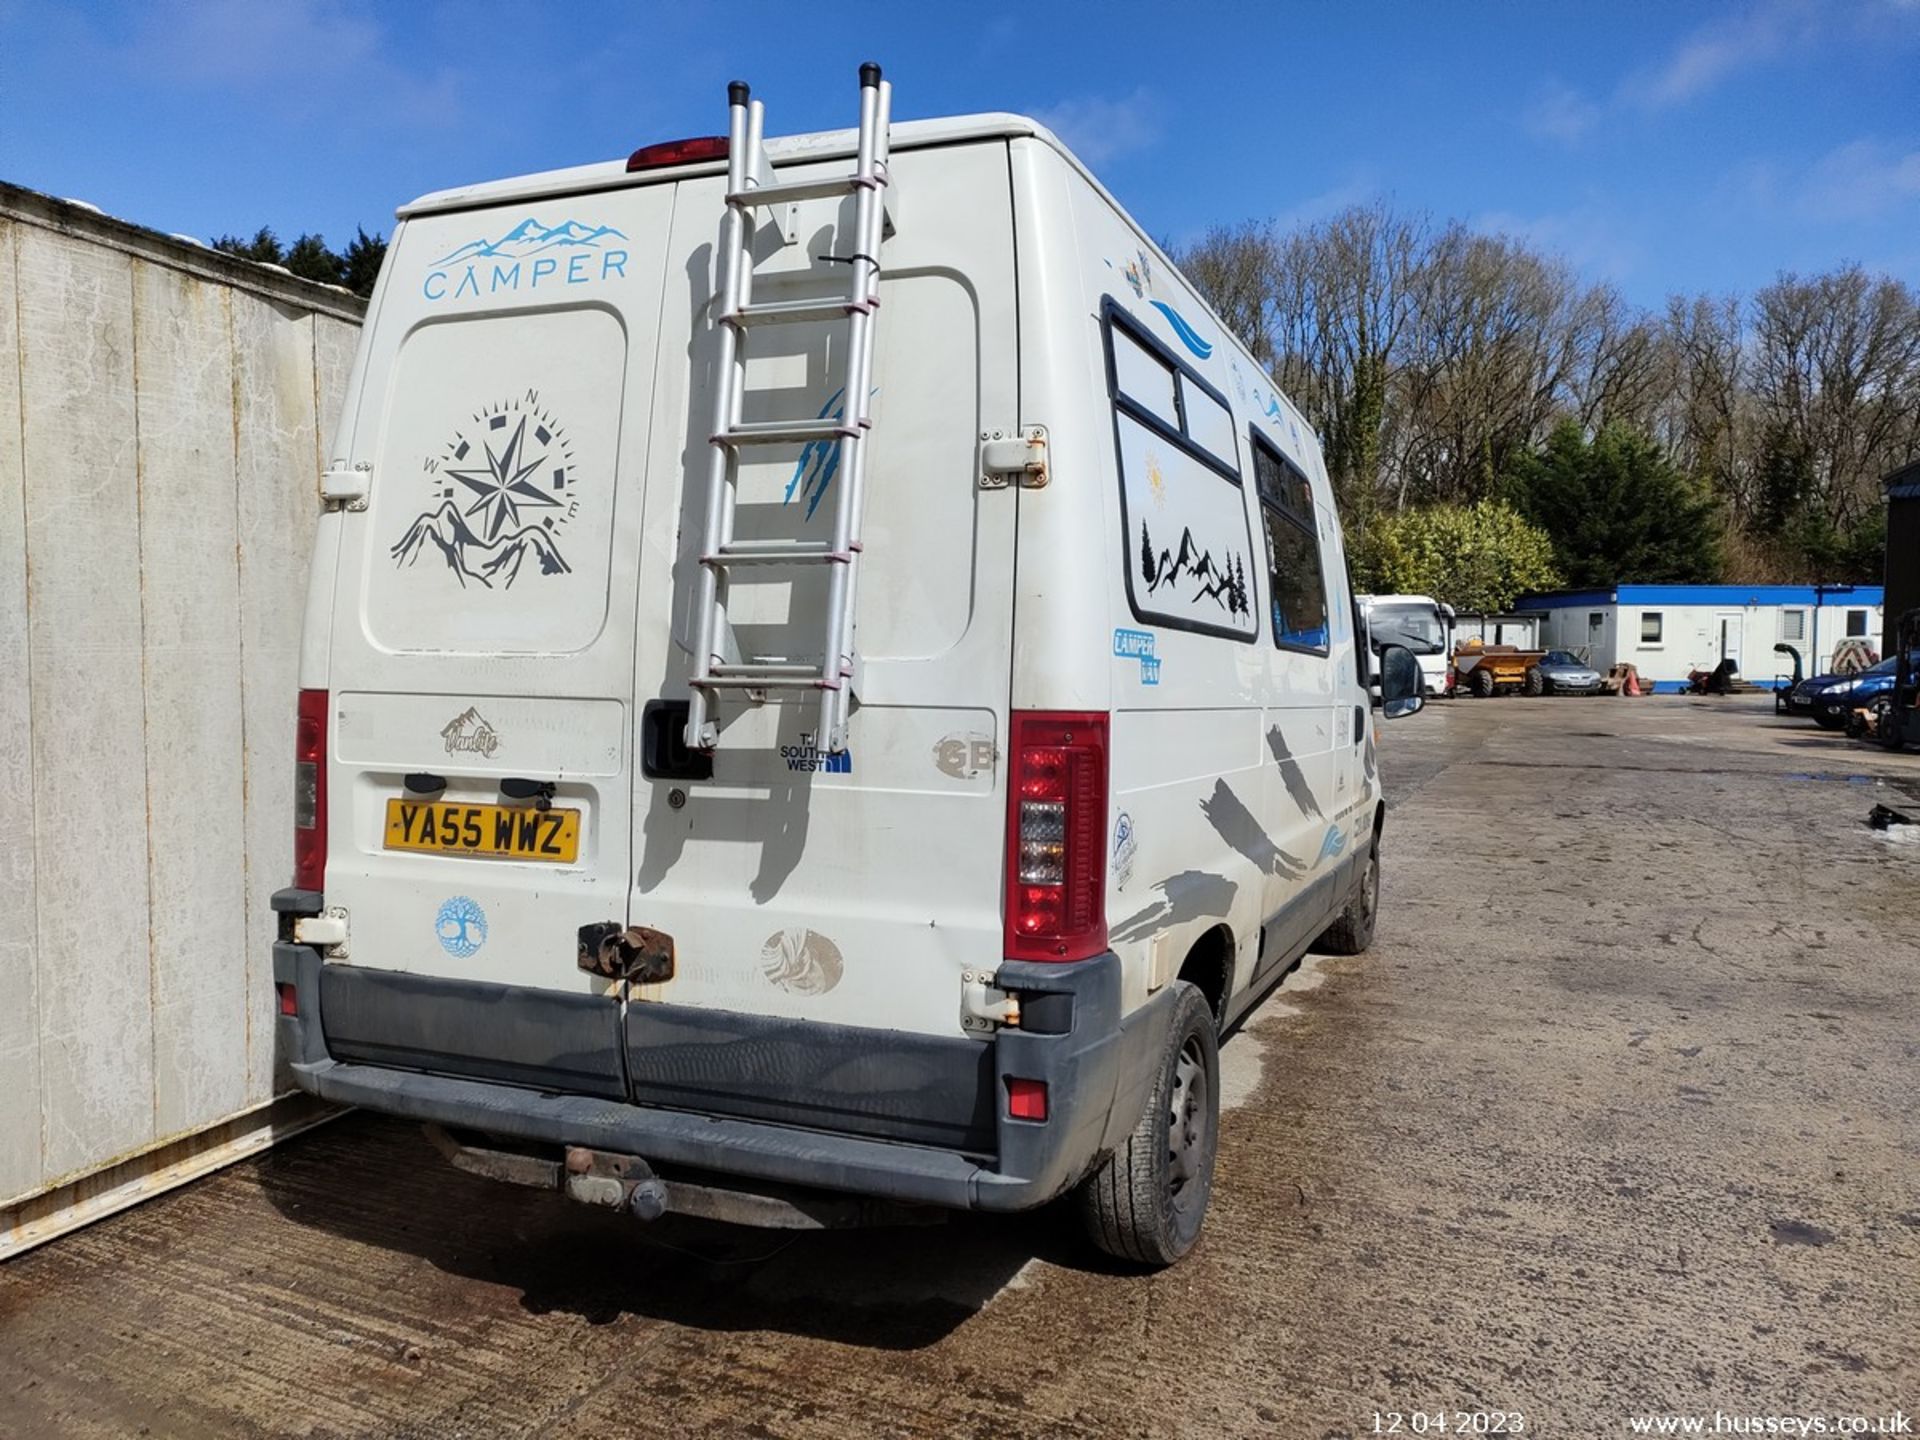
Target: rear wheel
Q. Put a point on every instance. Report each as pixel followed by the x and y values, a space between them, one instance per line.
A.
pixel 1536 683
pixel 1352 933
pixel 1482 682
pixel 1146 1202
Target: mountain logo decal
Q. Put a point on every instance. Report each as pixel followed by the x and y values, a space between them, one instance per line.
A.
pixel 531 256
pixel 530 237
pixel 501 492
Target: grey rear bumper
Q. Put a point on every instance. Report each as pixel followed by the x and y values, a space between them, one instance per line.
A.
pixel 1098 1066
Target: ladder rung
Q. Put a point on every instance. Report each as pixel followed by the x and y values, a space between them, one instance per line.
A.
pixel 787 669
pixel 795 312
pixel 790 190
pixel 779 552
pixel 785 432
pixel 810 681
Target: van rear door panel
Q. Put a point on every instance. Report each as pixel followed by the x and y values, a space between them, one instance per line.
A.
pixel 849 889
pixel 482 638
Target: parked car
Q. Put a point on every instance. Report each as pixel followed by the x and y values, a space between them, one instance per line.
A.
pixel 627 893
pixel 1832 699
pixel 1561 673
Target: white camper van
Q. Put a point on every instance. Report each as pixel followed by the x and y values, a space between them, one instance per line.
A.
pixel 829 680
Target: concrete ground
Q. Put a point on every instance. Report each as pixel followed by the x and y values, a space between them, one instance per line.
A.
pixel 1620 1117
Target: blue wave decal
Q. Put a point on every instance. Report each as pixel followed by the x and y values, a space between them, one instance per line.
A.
pixel 1274 412
pixel 1335 842
pixel 1185 331
pixel 813 471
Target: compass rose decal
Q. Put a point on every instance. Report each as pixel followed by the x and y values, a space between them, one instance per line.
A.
pixel 502 490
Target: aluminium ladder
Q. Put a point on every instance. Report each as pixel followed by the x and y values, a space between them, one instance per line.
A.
pixel 750 186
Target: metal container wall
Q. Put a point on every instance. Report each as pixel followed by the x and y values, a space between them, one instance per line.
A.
pixel 164 412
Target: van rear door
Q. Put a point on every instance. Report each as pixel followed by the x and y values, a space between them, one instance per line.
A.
pixel 806 890
pixel 482 665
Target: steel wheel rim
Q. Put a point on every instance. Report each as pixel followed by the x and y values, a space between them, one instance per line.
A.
pixel 1189 1124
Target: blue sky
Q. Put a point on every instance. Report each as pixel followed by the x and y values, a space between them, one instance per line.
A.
pixel 1666 147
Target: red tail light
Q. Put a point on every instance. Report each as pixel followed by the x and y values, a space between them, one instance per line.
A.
pixel 310 792
pixel 1056 837
pixel 678 152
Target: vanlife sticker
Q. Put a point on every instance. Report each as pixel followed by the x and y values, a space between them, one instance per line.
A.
pixel 531 256
pixel 1138 645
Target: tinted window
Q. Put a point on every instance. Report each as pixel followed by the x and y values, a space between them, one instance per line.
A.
pixel 1298 584
pixel 1650 627
pixel 1856 622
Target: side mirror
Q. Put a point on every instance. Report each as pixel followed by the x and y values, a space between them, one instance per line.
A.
pixel 1399 682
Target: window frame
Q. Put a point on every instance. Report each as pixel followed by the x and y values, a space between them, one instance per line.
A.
pixel 1114 315
pixel 1311 530
pixel 1865 628
pixel 1659 618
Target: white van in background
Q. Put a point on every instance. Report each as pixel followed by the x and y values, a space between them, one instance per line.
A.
pixel 1420 624
pixel 1108 767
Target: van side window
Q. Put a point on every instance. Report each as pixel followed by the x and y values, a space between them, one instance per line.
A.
pixel 1362 643
pixel 1298 581
pixel 1187 544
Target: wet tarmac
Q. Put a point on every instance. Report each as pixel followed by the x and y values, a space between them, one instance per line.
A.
pixel 1620 1117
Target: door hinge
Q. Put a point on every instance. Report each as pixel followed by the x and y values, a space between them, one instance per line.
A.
pixel 1010 456
pixel 327 930
pixel 984 1005
pixel 349 485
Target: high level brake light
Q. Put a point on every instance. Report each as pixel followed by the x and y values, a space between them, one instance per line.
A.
pixel 310 792
pixel 1056 831
pixel 678 152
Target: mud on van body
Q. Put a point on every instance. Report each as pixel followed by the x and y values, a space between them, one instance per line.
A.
pixel 1109 769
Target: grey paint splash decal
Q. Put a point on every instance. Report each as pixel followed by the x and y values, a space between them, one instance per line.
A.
pixel 1186 896
pixel 1291 773
pixel 1236 825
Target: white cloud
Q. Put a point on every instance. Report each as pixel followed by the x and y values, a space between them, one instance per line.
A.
pixel 1099 130
pixel 1860 180
pixel 302 57
pixel 1559 112
pixel 1716 52
pixel 1593 237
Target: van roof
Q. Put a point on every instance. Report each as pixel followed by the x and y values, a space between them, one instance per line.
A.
pixel 781 149
pixel 792 149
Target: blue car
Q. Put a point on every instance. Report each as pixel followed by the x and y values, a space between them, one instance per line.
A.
pixel 1832 699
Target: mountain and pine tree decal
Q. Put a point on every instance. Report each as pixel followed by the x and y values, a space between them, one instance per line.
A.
pixel 1223 581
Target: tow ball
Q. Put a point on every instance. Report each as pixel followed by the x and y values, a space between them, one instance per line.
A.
pixel 631 952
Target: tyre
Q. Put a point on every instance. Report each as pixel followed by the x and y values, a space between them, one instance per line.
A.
pixel 1482 681
pixel 1352 932
pixel 1828 721
pixel 1146 1202
pixel 1536 683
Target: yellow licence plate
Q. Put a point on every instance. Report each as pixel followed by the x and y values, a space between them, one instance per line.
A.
pixel 497 832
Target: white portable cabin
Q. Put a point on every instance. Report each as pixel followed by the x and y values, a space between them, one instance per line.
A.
pixel 1668 631
pixel 1107 731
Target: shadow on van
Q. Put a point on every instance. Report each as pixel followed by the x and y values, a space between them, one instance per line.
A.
pixel 377 1182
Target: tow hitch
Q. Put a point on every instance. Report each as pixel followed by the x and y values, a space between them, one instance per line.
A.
pixel 628 1184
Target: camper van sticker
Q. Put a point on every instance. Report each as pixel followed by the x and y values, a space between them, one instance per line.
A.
pixel 1188 336
pixel 1138 273
pixel 461 927
pixel 529 256
pixel 1124 848
pixel 500 491
pixel 801 962
pixel 814 470
pixel 1223 581
pixel 1138 645
pixel 809 757
pixel 468 734
pixel 1333 844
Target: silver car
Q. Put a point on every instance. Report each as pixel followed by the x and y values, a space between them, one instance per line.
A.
pixel 1561 674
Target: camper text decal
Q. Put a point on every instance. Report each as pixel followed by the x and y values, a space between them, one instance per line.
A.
pixel 530 256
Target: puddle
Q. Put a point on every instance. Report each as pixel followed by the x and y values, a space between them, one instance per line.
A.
pixel 1243 1058
pixel 1798 1232
pixel 1822 775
